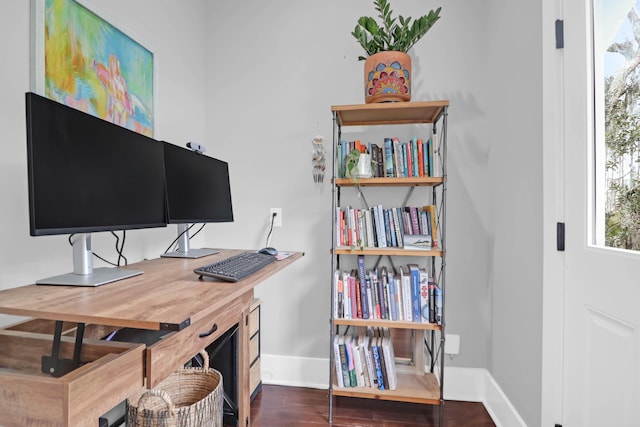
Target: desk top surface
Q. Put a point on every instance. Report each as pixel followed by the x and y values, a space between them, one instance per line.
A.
pixel 168 295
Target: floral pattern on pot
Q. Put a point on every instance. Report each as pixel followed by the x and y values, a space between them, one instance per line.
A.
pixel 387 81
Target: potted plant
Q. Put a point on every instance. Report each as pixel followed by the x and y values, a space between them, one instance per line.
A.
pixel 358 165
pixel 387 69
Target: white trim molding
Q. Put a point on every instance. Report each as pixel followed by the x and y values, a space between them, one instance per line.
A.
pixel 463 384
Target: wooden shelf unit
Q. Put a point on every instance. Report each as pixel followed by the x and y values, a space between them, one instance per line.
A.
pixel 413 384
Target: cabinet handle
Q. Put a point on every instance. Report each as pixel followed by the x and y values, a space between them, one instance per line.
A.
pixel 209 332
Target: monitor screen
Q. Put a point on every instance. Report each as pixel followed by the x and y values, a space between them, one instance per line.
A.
pixel 88 175
pixel 198 188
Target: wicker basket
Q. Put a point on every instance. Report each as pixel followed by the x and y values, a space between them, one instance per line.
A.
pixel 190 397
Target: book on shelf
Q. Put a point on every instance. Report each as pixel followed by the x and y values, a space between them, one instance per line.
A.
pixel 414 273
pixel 365 358
pixel 377 361
pixel 393 296
pixel 438 302
pixel 399 297
pixel 433 220
pixel 338 362
pixel 362 280
pixel 362 341
pixel 385 227
pixel 415 157
pixel 358 288
pixel 375 295
pixel 338 295
pixel 366 347
pixel 357 362
pixel 407 294
pixel 349 295
pixel 425 297
pixel 351 367
pixel 344 362
pixel 383 363
pixel 389 167
pixel 436 155
pixel 381 298
pixel 432 301
pixel 420 155
pixel 417 242
pixel 390 363
pixel 405 281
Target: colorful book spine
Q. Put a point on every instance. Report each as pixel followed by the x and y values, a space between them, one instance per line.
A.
pixel 432 302
pixel 438 293
pixel 362 278
pixel 344 362
pixel 430 156
pixel 425 306
pixel 388 157
pixel 338 360
pixel 348 345
pixel 420 150
pixel 414 273
pixel 377 363
pixel 338 297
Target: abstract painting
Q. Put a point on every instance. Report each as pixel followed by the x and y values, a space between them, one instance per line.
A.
pixel 89 64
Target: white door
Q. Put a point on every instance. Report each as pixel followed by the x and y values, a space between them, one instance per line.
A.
pixel 602 286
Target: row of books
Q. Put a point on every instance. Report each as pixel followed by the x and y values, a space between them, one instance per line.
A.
pixel 365 358
pixel 409 295
pixel 393 158
pixel 379 227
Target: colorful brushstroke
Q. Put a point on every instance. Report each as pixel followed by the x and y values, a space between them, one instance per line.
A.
pixel 94 67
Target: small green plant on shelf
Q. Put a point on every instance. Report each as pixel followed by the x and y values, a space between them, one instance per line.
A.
pixel 354 167
pixel 392 34
pixel 351 163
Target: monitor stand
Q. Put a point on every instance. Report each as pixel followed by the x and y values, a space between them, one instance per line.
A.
pixel 183 246
pixel 83 272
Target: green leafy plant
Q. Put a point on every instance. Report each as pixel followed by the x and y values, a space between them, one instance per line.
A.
pixel 398 34
pixel 351 163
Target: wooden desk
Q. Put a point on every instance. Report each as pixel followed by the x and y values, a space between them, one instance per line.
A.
pixel 168 296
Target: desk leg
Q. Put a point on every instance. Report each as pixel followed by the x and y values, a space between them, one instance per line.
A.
pixel 244 401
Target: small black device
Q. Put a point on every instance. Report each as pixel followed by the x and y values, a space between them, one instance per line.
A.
pixel 269 251
pixel 236 267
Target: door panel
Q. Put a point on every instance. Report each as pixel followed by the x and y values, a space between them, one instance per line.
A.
pixel 601 291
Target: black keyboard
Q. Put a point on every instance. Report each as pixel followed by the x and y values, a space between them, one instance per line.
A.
pixel 236 267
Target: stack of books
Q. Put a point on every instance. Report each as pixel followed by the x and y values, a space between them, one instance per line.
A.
pixel 393 158
pixel 366 359
pixel 408 227
pixel 409 295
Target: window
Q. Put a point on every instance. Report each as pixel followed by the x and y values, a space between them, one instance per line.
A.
pixel 617 122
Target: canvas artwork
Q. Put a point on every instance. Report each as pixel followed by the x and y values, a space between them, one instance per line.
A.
pixel 93 66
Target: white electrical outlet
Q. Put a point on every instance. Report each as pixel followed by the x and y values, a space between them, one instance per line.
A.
pixel 277 221
pixel 452 344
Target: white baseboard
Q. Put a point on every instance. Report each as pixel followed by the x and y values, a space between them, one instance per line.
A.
pixel 463 384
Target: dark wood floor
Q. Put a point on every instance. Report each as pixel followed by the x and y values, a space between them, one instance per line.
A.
pixel 293 406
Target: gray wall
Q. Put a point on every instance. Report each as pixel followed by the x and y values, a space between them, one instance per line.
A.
pixel 515 195
pixel 255 82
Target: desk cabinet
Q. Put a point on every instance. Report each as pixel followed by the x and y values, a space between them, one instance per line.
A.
pixel 255 380
pixel 110 372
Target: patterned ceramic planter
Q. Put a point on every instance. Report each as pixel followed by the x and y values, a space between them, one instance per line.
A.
pixel 387 77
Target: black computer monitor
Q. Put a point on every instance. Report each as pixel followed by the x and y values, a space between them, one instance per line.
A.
pixel 198 191
pixel 88 175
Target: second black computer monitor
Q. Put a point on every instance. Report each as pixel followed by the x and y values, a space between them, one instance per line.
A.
pixel 198 191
